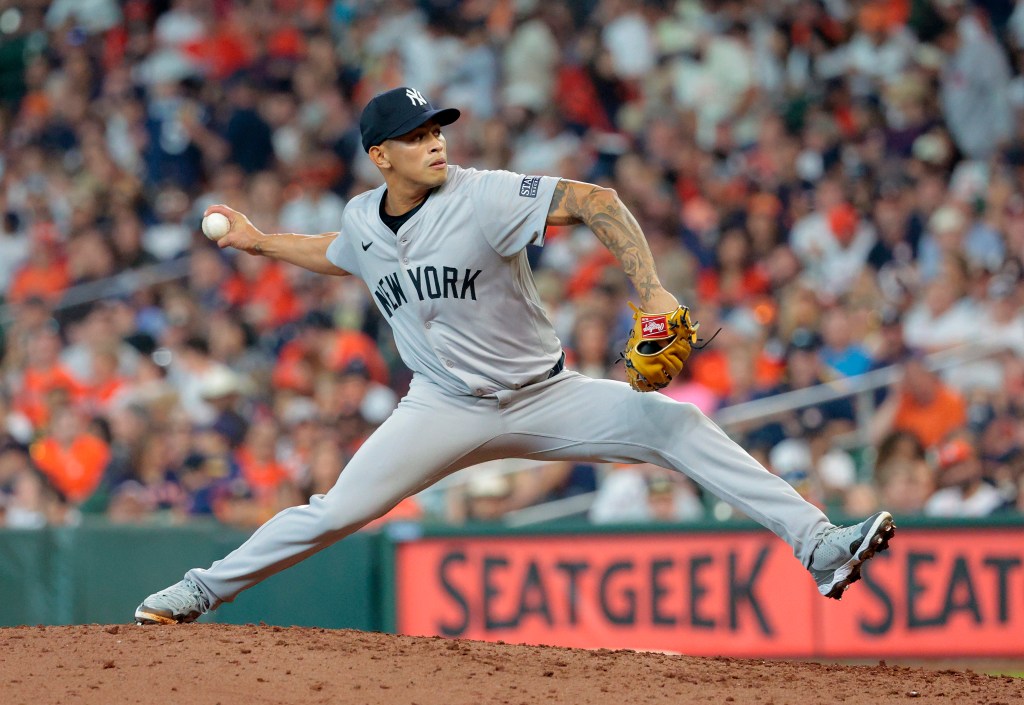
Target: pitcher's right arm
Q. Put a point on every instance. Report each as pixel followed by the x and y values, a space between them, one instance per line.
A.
pixel 306 251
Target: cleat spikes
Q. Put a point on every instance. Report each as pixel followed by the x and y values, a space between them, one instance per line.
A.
pixel 840 552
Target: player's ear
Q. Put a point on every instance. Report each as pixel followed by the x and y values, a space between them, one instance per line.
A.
pixel 379 157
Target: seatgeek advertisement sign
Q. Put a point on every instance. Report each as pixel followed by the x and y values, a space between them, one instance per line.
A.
pixel 935 592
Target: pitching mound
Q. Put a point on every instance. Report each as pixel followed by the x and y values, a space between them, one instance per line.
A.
pixel 204 664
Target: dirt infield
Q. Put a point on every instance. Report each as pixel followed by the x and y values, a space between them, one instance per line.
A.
pixel 205 664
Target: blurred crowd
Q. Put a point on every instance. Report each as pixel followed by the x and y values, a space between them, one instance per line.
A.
pixel 838 186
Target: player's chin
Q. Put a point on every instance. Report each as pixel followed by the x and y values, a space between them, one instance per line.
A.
pixel 437 175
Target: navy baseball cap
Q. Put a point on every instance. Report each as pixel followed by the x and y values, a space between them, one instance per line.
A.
pixel 395 112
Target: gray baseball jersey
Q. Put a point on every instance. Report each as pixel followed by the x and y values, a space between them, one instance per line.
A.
pixel 454 283
pixel 455 286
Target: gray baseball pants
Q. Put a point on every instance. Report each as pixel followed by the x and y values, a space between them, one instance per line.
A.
pixel 567 417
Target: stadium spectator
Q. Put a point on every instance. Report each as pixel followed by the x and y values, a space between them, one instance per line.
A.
pixel 905 484
pixel 672 501
pixel 93 332
pixel 889 348
pixel 27 499
pixel 974 82
pixel 314 208
pixel 152 491
pixel 644 493
pixel 189 367
pixel 938 321
pixel 298 442
pixel 14 248
pixel 72 458
pixel 325 464
pixel 235 345
pixel 963 490
pixel 44 273
pixel 833 242
pixel 15 427
pixel 257 459
pixel 1002 324
pixel 839 351
pixel 804 369
pixel 223 390
pixel 209 473
pixel 260 290
pixel 43 383
pixel 591 346
pixel 486 496
pixel 920 404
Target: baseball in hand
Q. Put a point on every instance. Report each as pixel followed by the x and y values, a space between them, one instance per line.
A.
pixel 216 226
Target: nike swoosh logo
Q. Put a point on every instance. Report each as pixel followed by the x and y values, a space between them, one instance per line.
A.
pixel 366 245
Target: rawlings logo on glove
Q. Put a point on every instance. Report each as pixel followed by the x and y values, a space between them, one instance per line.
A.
pixel 654 326
pixel 658 347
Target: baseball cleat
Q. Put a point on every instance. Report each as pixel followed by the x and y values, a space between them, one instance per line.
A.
pixel 180 603
pixel 836 561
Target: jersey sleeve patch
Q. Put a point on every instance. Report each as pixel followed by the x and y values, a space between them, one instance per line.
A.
pixel 528 189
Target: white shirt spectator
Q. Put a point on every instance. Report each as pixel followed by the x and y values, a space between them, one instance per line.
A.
pixel 883 61
pixel 14 247
pixel 950 502
pixel 1008 336
pixel 313 213
pixel 624 496
pixel 473 80
pixel 716 85
pixel 950 230
pixel 829 265
pixel 195 386
pixel 402 21
pixel 769 71
pixel 122 144
pixel 178 26
pixel 1015 26
pixel 974 92
pixel 428 59
pixel 93 16
pixel 1001 325
pixel 530 62
pixel 933 329
pixel 540 154
pixel 165 241
pixel 621 497
pixel 629 40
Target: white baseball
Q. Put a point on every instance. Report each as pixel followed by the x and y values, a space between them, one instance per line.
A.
pixel 216 226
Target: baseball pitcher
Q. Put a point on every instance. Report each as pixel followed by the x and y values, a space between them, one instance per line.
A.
pixel 442 250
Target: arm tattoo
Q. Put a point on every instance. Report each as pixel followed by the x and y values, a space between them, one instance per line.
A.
pixel 614 226
pixel 564 209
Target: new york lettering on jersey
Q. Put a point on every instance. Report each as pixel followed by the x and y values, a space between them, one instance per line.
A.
pixel 428 282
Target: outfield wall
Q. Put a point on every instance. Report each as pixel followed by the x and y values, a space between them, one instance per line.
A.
pixel 98 573
pixel 940 591
pixel 944 589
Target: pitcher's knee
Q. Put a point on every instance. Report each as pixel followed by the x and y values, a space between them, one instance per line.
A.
pixel 677 409
pixel 669 417
pixel 334 518
pixel 689 410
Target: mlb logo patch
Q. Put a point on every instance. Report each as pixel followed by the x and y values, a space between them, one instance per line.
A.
pixel 654 327
pixel 528 189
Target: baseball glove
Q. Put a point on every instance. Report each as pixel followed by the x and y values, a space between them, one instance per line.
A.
pixel 658 347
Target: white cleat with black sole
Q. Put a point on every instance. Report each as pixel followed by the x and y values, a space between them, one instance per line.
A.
pixel 180 603
pixel 836 561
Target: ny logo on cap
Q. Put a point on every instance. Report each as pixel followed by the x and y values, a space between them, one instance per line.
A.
pixel 415 97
